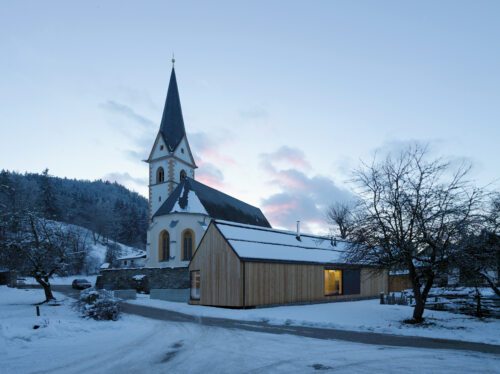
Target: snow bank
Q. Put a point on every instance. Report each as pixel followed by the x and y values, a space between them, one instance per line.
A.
pixel 366 315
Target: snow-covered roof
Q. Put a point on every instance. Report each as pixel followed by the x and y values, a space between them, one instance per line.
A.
pixel 141 254
pixel 191 196
pixel 399 272
pixel 260 243
pixel 193 205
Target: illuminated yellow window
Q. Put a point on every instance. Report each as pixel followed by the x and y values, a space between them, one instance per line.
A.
pixel 333 282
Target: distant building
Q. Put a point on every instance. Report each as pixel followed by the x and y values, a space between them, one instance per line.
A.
pixel 137 260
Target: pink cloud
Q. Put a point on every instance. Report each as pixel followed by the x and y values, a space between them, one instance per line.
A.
pixel 300 197
pixel 292 157
pixel 291 179
pixel 210 175
pixel 207 148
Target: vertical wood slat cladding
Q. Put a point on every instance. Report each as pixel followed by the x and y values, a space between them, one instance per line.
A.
pixel 399 282
pixel 373 282
pixel 275 283
pixel 220 271
pixel 278 283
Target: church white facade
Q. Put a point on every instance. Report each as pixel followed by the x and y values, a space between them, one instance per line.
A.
pixel 180 208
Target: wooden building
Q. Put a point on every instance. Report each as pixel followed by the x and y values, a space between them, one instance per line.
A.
pixel 237 265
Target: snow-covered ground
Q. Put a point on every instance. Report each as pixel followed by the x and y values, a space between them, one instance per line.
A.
pixel 366 315
pixel 69 344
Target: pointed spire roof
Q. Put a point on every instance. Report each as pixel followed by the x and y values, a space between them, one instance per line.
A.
pixel 172 123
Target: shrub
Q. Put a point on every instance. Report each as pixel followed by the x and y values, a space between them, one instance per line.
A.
pixel 141 283
pixel 98 304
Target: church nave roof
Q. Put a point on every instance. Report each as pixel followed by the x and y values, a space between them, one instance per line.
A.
pixel 191 196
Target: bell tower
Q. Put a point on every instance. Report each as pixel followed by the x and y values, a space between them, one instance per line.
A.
pixel 170 159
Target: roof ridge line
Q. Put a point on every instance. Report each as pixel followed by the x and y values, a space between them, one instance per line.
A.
pixel 285 245
pixel 287 232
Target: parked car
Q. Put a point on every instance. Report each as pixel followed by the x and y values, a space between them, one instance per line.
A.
pixel 81 284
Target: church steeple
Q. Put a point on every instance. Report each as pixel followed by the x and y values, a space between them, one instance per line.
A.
pixel 172 124
pixel 170 160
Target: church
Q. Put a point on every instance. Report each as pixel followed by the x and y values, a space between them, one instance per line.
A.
pixel 180 207
pixel 209 248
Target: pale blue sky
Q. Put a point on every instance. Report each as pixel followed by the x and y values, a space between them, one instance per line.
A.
pixel 281 99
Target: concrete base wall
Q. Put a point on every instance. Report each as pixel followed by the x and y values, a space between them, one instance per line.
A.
pixel 155 278
pixel 125 294
pixel 180 295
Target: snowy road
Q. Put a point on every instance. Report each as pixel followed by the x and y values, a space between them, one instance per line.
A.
pixel 69 344
pixel 168 347
pixel 317 333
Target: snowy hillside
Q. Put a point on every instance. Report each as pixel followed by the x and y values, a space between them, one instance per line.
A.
pixel 101 206
pixel 96 248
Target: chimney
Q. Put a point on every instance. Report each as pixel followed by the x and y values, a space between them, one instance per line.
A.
pixel 298 231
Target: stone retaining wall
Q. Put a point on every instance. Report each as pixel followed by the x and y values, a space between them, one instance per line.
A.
pixel 123 279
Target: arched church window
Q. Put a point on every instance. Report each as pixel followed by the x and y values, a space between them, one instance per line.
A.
pixel 160 175
pixel 164 246
pixel 183 175
pixel 187 245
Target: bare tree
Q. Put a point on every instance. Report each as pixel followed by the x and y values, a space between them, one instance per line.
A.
pixel 479 256
pixel 411 215
pixel 40 248
pixel 46 248
pixel 340 216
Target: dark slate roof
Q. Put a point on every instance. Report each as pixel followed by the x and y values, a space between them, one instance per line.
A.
pixel 217 204
pixel 172 123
